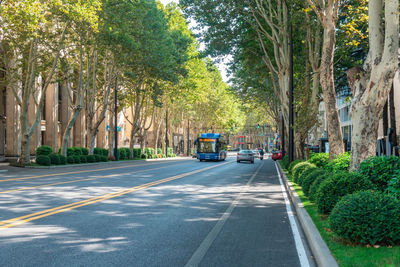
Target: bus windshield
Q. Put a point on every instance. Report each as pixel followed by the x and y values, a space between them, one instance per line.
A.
pixel 207 146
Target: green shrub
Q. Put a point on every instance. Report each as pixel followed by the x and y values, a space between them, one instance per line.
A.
pixel 91 158
pixel 128 153
pixel 313 189
pixel 285 162
pixel 338 185
pixel 122 154
pixel 54 159
pixel 70 151
pixel 97 158
pixel 298 169
pixel 143 156
pixel 44 151
pixel 308 180
pixel 393 188
pixel 43 160
pixel 163 155
pixel 149 152
pixel 77 151
pixel 100 151
pixel 339 163
pixel 83 158
pixel 380 170
pixel 319 159
pixel 367 217
pixel 137 152
pixel 85 151
pixel 159 151
pixel 63 159
pixel 305 173
pixel 170 151
pixel 77 159
pixel 70 160
pixel 104 158
pixel 292 164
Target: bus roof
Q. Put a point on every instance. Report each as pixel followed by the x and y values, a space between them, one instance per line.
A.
pixel 210 135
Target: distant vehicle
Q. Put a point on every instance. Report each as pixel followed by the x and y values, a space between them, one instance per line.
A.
pixel 256 153
pixel 245 155
pixel 276 155
pixel 210 146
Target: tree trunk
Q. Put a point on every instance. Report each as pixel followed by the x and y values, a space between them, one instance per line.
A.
pixel 25 149
pixel 68 129
pixel 385 120
pixel 392 116
pixel 336 145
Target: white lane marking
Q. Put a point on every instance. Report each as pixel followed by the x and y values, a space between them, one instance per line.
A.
pixel 295 230
pixel 201 251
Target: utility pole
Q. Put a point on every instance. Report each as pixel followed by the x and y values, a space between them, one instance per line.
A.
pixel 291 113
pixel 116 120
pixel 166 133
pixel 188 137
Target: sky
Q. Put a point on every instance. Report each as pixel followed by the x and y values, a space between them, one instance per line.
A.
pixel 221 66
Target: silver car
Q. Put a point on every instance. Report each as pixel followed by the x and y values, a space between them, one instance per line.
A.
pixel 245 155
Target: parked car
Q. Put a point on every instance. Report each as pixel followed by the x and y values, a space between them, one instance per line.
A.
pixel 245 155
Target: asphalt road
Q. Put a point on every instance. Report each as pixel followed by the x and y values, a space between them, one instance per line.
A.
pixel 159 213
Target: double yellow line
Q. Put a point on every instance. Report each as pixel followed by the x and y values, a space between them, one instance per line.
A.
pixel 37 215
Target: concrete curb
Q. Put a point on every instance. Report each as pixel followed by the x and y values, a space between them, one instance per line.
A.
pixel 318 246
pixel 101 163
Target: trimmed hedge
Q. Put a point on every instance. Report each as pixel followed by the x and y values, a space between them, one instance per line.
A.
pixel 367 217
pixel 83 158
pixel 292 164
pixel 320 160
pixel 70 160
pixel 44 151
pixel 394 186
pixel 84 151
pixel 143 156
pixel 137 152
pixel 77 151
pixel 308 180
pixel 104 158
pixel 285 162
pixel 380 170
pixel 43 160
pixel 77 159
pixel 100 151
pixel 54 159
pixel 97 158
pixel 91 158
pixel 340 163
pixel 298 169
pixel 70 152
pixel 305 173
pixel 312 192
pixel 63 159
pixel 159 151
pixel 338 185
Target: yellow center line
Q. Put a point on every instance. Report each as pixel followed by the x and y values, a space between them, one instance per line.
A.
pixel 40 214
pixel 73 181
pixel 75 172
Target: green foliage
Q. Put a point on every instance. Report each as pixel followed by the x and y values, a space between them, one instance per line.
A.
pixel 63 159
pixel 338 185
pixel 170 151
pixel 83 158
pixel 97 158
pixel 77 151
pixel 122 154
pixel 319 159
pixel 285 162
pixel 380 170
pixel 313 189
pixel 367 217
pixel 43 160
pixel 159 151
pixel 70 159
pixel 91 158
pixel 100 151
pixel 137 152
pixel 149 152
pixel 77 159
pixel 54 159
pixel 308 180
pixel 85 151
pixel 305 173
pixel 44 150
pixel 70 151
pixel 292 164
pixel 143 156
pixel 393 188
pixel 104 158
pixel 339 163
pixel 298 169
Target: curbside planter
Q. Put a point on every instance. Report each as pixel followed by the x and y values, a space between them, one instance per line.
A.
pixel 318 246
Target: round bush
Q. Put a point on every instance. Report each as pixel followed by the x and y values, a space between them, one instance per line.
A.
pixel 43 160
pixel 70 151
pixel 292 164
pixel 338 185
pixel 380 170
pixel 367 217
pixel 70 160
pixel 44 151
pixel 121 154
pixel 54 159
pixel 298 169
pixel 91 158
pixel 310 178
pixel 159 151
pixel 340 163
pixel 77 159
pixel 305 173
pixel 143 156
pixel 63 159
pixel 85 151
pixel 312 192
pixel 97 158
pixel 319 159
pixel 104 158
pixel 83 158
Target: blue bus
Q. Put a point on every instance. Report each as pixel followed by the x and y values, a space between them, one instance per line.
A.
pixel 210 146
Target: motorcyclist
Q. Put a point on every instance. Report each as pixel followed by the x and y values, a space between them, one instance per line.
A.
pixel 261 153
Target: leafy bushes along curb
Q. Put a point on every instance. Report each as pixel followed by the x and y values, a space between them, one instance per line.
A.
pixel 285 162
pixel 43 160
pixel 63 160
pixel 70 160
pixel 340 163
pixel 380 170
pixel 338 185
pixel 308 180
pixel 319 159
pixel 91 159
pixel 54 159
pixel 367 217
pixel 44 151
pixel 305 173
pixel 292 164
pixel 83 158
pixel 298 169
